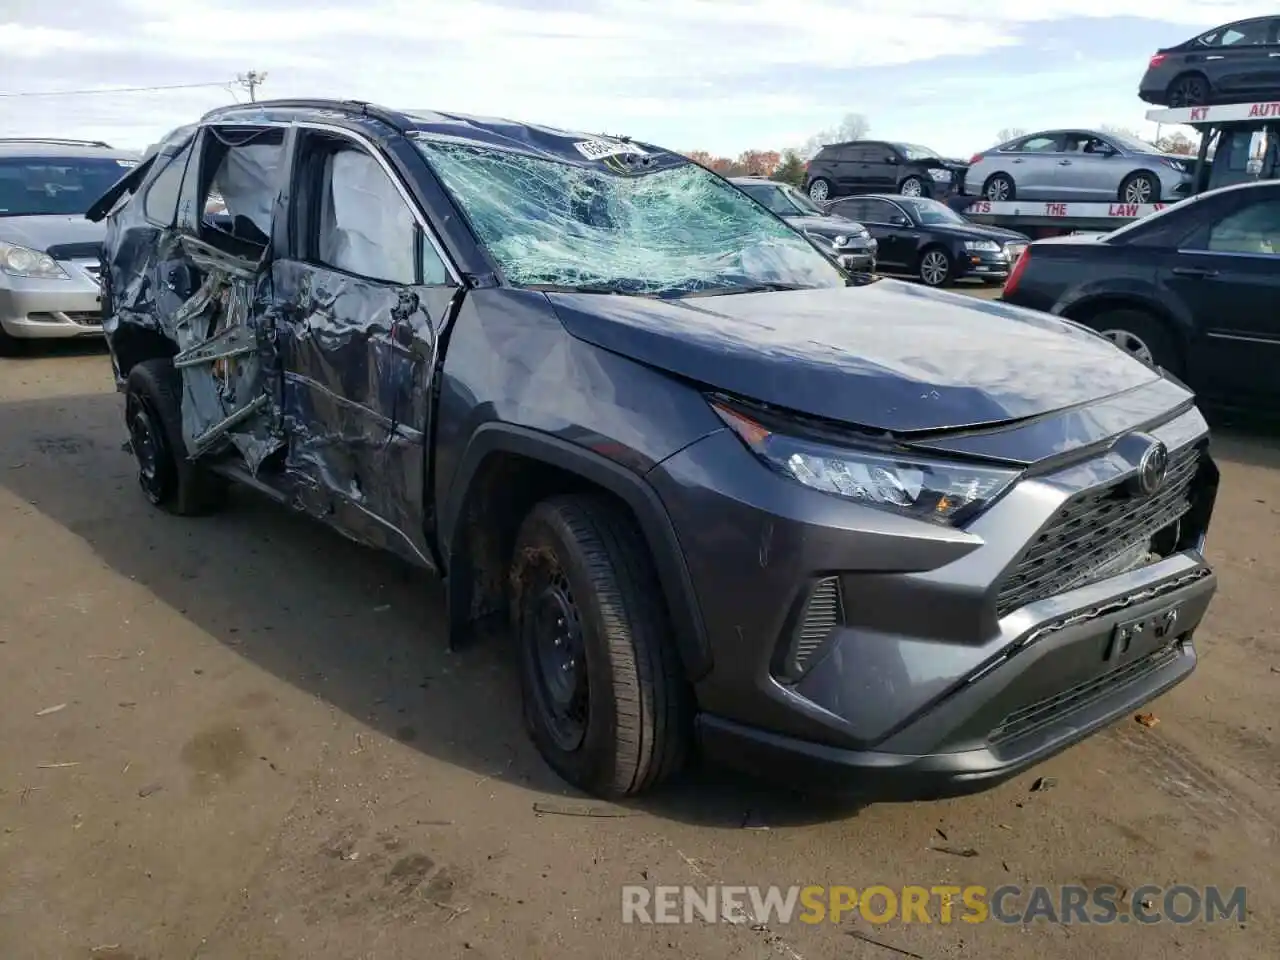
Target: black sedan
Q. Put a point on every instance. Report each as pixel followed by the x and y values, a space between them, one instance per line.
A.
pixel 1192 289
pixel 845 241
pixel 927 238
pixel 1228 63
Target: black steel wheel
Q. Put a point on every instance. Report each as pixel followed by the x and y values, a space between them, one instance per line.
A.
pixel 605 699
pixel 153 416
pixel 1189 90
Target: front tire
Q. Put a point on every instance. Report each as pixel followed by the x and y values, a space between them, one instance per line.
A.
pixel 820 190
pixel 1140 187
pixel 604 698
pixel 153 415
pixel 913 187
pixel 935 267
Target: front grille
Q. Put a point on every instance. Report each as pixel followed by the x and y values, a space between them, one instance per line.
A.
pixel 822 613
pixel 1054 708
pixel 1094 528
pixel 75 251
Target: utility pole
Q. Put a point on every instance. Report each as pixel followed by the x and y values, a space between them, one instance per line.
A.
pixel 251 81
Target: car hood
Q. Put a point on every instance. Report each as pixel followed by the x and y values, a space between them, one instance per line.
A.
pixel 41 233
pixel 887 355
pixel 829 226
pixel 977 231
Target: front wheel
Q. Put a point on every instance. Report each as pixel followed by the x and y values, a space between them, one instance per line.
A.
pixel 913 187
pixel 999 188
pixel 1140 188
pixel 153 415
pixel 820 190
pixel 604 698
pixel 935 267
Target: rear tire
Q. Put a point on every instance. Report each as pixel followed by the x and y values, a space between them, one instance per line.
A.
pixel 153 415
pixel 1189 90
pixel 605 701
pixel 999 188
pixel 1142 336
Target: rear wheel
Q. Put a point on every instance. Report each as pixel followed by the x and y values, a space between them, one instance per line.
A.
pixel 999 188
pixel 820 190
pixel 1188 90
pixel 604 698
pixel 1141 335
pixel 153 414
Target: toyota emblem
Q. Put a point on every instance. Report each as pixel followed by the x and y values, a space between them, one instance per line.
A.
pixel 1152 468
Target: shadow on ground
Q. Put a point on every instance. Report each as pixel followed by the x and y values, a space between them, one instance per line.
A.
pixel 352 626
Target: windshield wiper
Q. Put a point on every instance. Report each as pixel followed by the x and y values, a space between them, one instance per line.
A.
pixel 741 288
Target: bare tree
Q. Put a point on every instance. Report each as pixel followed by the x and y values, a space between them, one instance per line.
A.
pixel 1121 131
pixel 1179 142
pixel 1009 133
pixel 854 126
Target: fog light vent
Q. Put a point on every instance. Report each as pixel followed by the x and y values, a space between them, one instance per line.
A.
pixel 822 613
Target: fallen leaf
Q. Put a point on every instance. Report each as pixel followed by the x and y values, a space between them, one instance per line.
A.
pixel 1147 719
pixel 1043 783
pixel 149 789
pixel 58 766
pixel 956 851
pixel 48 710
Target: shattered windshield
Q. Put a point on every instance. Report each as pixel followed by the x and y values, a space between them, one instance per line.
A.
pixel 56 186
pixel 671 232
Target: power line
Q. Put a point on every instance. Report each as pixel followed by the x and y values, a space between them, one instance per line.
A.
pixel 101 90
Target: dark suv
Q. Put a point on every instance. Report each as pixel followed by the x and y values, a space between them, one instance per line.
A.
pixel 878 166
pixel 718 488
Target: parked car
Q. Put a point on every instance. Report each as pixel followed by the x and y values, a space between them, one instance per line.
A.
pixel 1234 62
pixel 48 250
pixel 1080 165
pixel 837 530
pixel 929 239
pixel 878 166
pixel 1191 289
pixel 846 241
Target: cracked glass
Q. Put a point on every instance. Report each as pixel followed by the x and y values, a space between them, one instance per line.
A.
pixel 673 231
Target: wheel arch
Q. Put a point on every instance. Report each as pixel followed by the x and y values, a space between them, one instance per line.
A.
pixel 1092 305
pixel 503 472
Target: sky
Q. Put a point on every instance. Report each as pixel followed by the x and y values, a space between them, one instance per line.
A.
pixel 717 75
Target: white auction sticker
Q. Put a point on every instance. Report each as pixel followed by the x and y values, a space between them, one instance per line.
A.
pixel 599 149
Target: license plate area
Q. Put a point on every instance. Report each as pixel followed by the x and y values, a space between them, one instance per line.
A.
pixel 1138 636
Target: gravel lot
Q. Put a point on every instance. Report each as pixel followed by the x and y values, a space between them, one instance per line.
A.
pixel 266 752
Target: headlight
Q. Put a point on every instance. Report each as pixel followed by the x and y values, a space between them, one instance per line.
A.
pixel 926 489
pixel 1178 165
pixel 939 174
pixel 990 246
pixel 841 241
pixel 19 261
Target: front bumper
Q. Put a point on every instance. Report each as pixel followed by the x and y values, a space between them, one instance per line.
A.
pixel 859 261
pixel 921 688
pixel 34 309
pixel 985 264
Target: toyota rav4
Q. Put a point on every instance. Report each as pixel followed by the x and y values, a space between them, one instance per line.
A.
pixel 835 530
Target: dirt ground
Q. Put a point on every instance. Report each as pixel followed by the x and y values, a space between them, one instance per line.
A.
pixel 267 752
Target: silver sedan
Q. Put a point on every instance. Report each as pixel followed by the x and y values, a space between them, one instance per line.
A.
pixel 1079 165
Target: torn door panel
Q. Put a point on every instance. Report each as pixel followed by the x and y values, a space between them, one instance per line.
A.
pixel 221 349
pixel 356 356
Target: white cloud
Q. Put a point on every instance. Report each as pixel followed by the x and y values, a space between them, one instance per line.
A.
pixel 730 73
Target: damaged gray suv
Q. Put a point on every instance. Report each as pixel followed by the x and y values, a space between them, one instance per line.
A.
pixel 840 532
